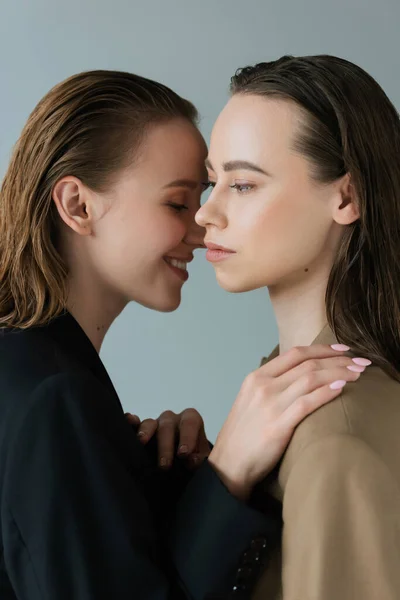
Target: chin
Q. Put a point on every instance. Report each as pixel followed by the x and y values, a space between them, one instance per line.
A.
pixel 235 285
pixel 165 300
pixel 167 304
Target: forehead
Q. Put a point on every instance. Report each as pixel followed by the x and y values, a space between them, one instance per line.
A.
pixel 251 126
pixel 173 148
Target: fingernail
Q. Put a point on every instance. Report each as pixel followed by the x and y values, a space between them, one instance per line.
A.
pixel 183 449
pixel 164 462
pixel 142 436
pixel 356 369
pixel 337 385
pixel 363 362
pixel 340 347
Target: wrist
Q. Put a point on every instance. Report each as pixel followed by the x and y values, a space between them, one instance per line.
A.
pixel 231 476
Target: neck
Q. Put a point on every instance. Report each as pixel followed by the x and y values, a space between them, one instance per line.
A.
pixel 299 311
pixel 92 306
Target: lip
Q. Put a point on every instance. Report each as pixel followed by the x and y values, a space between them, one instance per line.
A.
pixel 181 273
pixel 216 253
pixel 212 246
pixel 186 259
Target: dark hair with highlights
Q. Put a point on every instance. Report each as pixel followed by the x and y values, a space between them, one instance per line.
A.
pixel 349 126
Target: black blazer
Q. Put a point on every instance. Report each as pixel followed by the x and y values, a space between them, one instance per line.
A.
pixel 85 512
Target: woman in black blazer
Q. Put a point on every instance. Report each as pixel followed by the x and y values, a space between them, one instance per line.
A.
pixel 96 210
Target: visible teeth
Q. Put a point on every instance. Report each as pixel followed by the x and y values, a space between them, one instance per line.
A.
pixel 180 264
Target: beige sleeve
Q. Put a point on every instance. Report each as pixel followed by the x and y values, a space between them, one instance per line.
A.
pixel 341 538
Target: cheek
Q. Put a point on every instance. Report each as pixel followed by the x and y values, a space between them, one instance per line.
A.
pixel 143 235
pixel 167 231
pixel 291 229
pixel 265 221
pixel 277 223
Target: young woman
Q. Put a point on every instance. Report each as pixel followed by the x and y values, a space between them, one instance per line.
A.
pixel 96 210
pixel 304 162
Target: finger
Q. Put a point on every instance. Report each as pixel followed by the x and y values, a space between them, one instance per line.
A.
pixel 312 381
pixel 190 427
pixel 194 461
pixel 299 354
pixel 147 429
pixel 307 404
pixel 200 453
pixel 167 431
pixel 132 419
pixel 324 364
pixel 203 445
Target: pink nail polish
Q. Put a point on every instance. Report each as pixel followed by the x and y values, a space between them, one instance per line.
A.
pixel 338 385
pixel 356 368
pixel 363 362
pixel 340 347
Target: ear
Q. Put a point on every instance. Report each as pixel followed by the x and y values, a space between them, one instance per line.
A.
pixel 74 204
pixel 346 209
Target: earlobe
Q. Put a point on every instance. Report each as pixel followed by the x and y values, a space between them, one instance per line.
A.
pixel 347 209
pixel 70 198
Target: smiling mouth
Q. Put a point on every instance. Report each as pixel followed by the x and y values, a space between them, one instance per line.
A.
pixel 178 267
pixel 179 264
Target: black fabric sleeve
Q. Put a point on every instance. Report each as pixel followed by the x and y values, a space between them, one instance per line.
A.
pixel 76 523
pixel 219 544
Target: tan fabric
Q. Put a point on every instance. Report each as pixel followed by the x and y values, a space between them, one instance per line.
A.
pixel 339 484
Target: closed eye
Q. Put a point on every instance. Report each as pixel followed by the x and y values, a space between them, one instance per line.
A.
pixel 178 207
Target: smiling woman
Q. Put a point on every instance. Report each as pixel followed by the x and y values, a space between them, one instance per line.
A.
pixel 144 216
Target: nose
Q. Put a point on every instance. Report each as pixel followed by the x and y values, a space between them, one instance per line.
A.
pixel 200 217
pixel 211 213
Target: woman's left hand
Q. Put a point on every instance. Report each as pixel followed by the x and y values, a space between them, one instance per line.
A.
pixel 185 429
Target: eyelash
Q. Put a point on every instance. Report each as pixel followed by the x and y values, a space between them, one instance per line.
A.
pixel 178 207
pixel 238 187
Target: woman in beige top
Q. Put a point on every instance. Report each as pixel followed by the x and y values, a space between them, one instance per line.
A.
pixel 304 162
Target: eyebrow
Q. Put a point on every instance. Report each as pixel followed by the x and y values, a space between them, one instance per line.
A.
pixel 234 165
pixel 185 183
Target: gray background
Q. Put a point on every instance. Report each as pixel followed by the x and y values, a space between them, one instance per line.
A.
pixel 199 355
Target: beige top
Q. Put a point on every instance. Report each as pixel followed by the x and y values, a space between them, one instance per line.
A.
pixel 339 484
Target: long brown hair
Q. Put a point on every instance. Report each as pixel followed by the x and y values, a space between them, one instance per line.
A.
pixel 89 126
pixel 349 126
